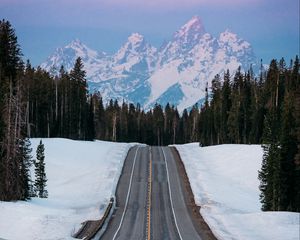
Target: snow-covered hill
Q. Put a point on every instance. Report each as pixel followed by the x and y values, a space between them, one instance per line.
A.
pixel 224 182
pixel 177 72
pixel 82 177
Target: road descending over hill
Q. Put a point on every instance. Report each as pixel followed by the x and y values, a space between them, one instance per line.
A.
pixel 152 200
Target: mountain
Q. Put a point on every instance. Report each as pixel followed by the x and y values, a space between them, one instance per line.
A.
pixel 177 72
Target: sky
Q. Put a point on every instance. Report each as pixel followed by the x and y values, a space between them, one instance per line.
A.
pixel 270 26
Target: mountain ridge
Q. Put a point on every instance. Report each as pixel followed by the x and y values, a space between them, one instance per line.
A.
pixel 141 73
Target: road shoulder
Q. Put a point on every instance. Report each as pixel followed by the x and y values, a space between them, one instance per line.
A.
pixel 200 225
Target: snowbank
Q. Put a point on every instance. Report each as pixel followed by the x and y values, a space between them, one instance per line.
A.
pixel 82 176
pixel 225 185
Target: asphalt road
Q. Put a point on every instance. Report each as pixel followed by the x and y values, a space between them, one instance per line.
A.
pixel 150 198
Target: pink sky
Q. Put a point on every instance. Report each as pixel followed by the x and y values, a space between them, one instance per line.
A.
pixel 139 3
pixel 271 26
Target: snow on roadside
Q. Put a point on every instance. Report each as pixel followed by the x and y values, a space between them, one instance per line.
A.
pixel 224 182
pixel 82 177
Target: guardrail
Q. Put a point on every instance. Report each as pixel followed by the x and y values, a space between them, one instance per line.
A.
pixel 90 228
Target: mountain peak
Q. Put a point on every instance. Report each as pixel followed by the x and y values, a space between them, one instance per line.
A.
pixel 193 26
pixel 228 34
pixel 177 73
pixel 195 20
pixel 75 43
pixel 135 38
pixel 232 38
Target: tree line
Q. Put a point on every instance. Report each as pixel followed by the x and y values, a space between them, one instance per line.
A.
pixel 238 109
pixel 264 110
pixel 15 158
pixel 35 103
pixel 60 106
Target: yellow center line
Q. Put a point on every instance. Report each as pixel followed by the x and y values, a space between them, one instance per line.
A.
pixel 149 199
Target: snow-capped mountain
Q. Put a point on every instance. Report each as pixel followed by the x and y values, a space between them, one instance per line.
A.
pixel 177 73
pixel 67 55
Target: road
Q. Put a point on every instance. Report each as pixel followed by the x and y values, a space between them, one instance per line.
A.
pixel 150 199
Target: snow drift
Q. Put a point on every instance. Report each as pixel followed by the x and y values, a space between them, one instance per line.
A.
pixel 82 176
pixel 225 184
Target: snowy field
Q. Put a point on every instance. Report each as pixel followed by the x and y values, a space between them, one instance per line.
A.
pixel 82 177
pixel 224 181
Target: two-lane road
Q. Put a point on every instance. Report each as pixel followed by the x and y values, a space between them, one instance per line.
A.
pixel 150 199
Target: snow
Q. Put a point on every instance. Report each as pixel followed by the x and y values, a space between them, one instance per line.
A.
pixel 224 182
pixel 82 177
pixel 231 39
pixel 163 79
pixel 135 38
pixel 190 58
pixel 195 24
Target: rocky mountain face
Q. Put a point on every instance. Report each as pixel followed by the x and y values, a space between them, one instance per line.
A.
pixel 177 72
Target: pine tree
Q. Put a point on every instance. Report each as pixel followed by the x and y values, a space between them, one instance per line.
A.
pixel 175 127
pixel 90 126
pixel 79 100
pixel 216 107
pixel 235 120
pixel 288 150
pixel 40 173
pixel 11 114
pixel 124 122
pixel 205 122
pixel 25 164
pixel 225 107
pixel 193 122
pixel 257 109
pixel 158 115
pixel 297 156
pixel 100 123
pixel 132 123
pixel 269 175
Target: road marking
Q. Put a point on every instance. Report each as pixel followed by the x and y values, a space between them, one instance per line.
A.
pixel 149 198
pixel 127 197
pixel 170 193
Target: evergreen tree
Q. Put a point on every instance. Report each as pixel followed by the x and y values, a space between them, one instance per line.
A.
pixel 257 110
pixel 124 122
pixel 183 128
pixel 25 164
pixel 246 107
pixel 193 123
pixel 269 175
pixel 101 124
pixel 216 105
pixel 40 172
pixel 168 118
pixel 132 126
pixel 288 150
pixel 175 127
pixel 297 156
pixel 158 116
pixel 90 126
pixel 235 120
pixel 11 114
pixel 225 107
pixel 79 100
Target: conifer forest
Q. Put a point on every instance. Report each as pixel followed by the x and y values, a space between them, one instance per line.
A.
pixel 240 108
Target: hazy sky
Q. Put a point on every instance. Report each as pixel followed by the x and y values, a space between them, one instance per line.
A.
pixel 271 26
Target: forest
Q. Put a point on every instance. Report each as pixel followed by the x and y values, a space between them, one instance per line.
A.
pixel 242 108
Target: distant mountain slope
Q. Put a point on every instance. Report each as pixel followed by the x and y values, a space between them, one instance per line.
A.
pixel 176 73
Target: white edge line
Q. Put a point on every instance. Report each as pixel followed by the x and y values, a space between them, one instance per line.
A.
pixel 150 156
pixel 170 193
pixel 127 197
